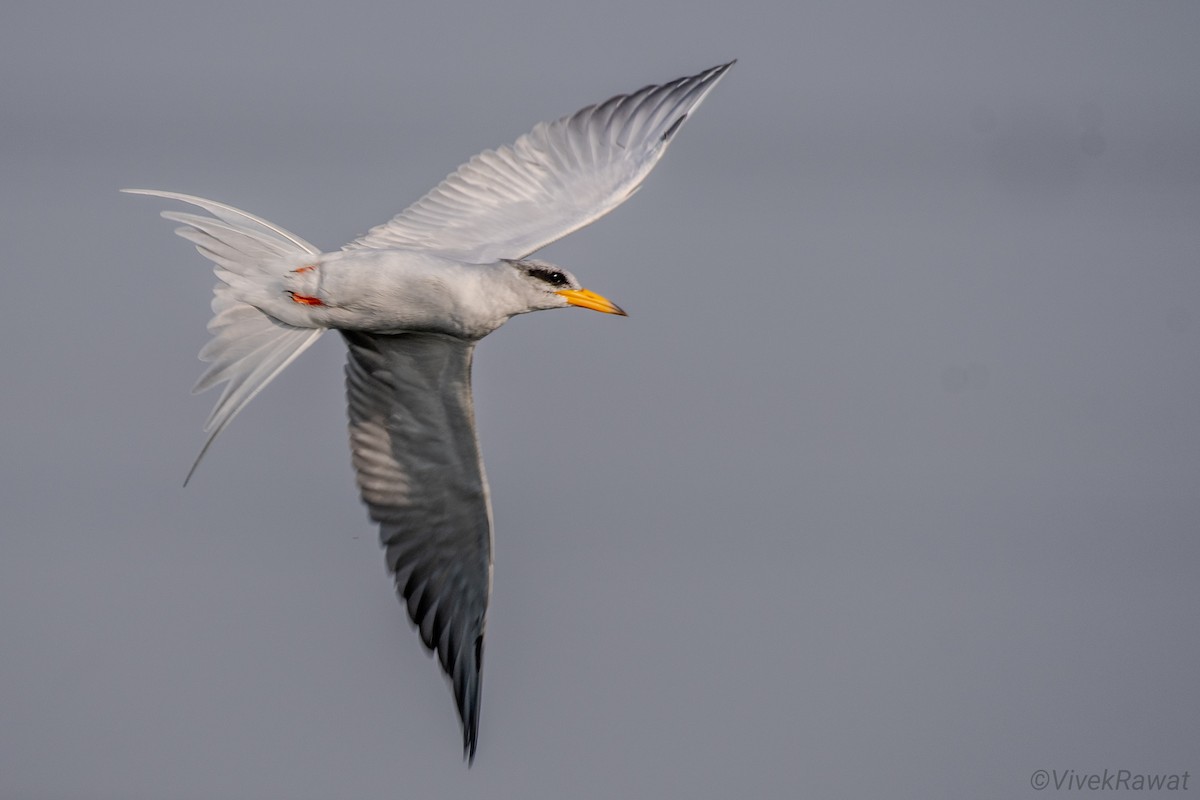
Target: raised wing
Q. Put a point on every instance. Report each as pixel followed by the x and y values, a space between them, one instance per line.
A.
pixel 412 436
pixel 559 177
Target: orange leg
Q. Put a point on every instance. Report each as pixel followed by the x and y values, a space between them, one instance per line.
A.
pixel 306 300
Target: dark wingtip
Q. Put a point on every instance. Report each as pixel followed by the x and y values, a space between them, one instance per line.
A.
pixel 468 707
pixel 674 127
pixel 470 738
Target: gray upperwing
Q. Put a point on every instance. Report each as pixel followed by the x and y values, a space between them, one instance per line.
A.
pixel 412 438
pixel 514 200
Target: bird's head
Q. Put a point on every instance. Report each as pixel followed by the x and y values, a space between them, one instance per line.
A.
pixel 548 286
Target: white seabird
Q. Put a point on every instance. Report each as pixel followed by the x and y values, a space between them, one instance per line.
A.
pixel 411 298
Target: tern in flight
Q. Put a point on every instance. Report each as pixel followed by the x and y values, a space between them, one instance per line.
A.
pixel 411 298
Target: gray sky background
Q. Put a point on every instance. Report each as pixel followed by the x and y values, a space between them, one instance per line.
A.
pixel 888 486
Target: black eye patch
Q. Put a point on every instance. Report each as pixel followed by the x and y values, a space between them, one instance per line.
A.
pixel 552 277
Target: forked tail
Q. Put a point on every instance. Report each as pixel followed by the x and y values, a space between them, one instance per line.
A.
pixel 249 348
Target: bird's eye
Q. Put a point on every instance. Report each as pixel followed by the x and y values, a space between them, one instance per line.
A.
pixel 552 277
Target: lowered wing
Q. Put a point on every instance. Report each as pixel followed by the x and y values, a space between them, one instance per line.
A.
pixel 412 437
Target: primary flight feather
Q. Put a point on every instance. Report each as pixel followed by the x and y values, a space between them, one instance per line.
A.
pixel 411 298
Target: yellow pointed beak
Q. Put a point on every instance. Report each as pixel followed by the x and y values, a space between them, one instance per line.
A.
pixel 585 299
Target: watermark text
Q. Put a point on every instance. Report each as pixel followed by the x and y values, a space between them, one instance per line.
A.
pixel 1119 780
